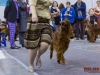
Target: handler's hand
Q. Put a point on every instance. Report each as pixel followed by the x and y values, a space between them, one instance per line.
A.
pixel 5 20
pixel 34 18
pixel 95 23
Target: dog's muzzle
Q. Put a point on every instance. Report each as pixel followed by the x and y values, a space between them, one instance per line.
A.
pixel 64 27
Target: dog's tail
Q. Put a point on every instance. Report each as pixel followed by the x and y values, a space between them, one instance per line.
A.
pixel 51 51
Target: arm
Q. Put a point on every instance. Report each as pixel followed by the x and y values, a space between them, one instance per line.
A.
pixel 97 13
pixel 6 10
pixel 53 14
pixel 32 4
pixel 58 10
pixel 82 7
pixel 63 14
pixel 73 13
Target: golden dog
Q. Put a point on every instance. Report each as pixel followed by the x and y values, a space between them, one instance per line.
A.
pixel 61 40
pixel 92 30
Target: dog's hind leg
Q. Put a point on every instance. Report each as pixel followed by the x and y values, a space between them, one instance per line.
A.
pixel 51 50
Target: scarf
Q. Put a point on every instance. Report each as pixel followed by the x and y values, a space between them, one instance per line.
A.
pixel 79 12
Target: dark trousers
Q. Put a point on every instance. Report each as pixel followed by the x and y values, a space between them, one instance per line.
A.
pixel 79 28
pixel 21 38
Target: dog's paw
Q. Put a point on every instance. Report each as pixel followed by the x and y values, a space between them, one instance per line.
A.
pixel 91 41
pixel 58 61
pixel 63 63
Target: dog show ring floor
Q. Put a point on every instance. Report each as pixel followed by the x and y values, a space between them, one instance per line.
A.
pixel 82 58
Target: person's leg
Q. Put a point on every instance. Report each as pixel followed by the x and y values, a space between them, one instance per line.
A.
pixel 16 32
pixel 72 24
pixel 77 29
pixel 54 28
pixel 43 48
pixel 82 30
pixel 45 41
pixel 21 38
pixel 12 29
pixel 32 55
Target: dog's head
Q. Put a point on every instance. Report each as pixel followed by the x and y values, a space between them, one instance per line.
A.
pixel 65 25
pixel 67 28
pixel 86 22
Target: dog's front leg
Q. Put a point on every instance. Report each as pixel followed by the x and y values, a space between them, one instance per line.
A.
pixel 58 57
pixel 91 37
pixel 63 59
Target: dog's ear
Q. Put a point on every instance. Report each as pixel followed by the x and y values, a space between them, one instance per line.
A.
pixel 61 23
pixel 66 20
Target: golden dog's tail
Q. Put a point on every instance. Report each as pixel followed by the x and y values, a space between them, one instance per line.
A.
pixel 51 50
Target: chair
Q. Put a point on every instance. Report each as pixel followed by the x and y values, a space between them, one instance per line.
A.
pixel 2 39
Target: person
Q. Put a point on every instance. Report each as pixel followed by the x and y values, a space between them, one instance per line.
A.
pixel 80 10
pixel 61 7
pixel 97 12
pixel 41 25
pixel 92 18
pixel 68 13
pixel 11 13
pixel 55 13
pixel 23 15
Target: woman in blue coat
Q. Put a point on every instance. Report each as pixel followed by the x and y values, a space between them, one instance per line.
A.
pixel 68 13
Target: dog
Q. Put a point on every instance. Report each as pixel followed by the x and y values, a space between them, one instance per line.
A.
pixel 4 28
pixel 61 40
pixel 92 30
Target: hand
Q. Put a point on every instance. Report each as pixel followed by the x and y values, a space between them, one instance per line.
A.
pixel 34 18
pixel 55 13
pixel 5 20
pixel 95 23
pixel 69 15
pixel 66 14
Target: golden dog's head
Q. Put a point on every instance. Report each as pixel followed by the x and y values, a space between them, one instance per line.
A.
pixel 65 25
pixel 87 23
pixel 67 28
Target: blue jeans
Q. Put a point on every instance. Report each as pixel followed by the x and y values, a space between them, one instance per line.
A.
pixel 54 27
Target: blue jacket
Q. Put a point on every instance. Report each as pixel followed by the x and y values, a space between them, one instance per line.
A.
pixel 82 9
pixel 71 12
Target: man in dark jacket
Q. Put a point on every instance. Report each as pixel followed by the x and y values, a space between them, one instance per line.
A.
pixel 80 9
pixel 23 15
pixel 11 13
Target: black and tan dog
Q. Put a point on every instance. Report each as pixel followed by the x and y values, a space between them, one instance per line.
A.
pixel 61 40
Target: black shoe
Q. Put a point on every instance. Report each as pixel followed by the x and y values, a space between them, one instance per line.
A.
pixel 18 46
pixel 77 38
pixel 23 46
pixel 71 37
pixel 82 38
pixel 14 47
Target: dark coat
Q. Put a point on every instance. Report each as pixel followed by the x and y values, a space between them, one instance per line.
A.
pixel 82 9
pixel 10 12
pixel 23 17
